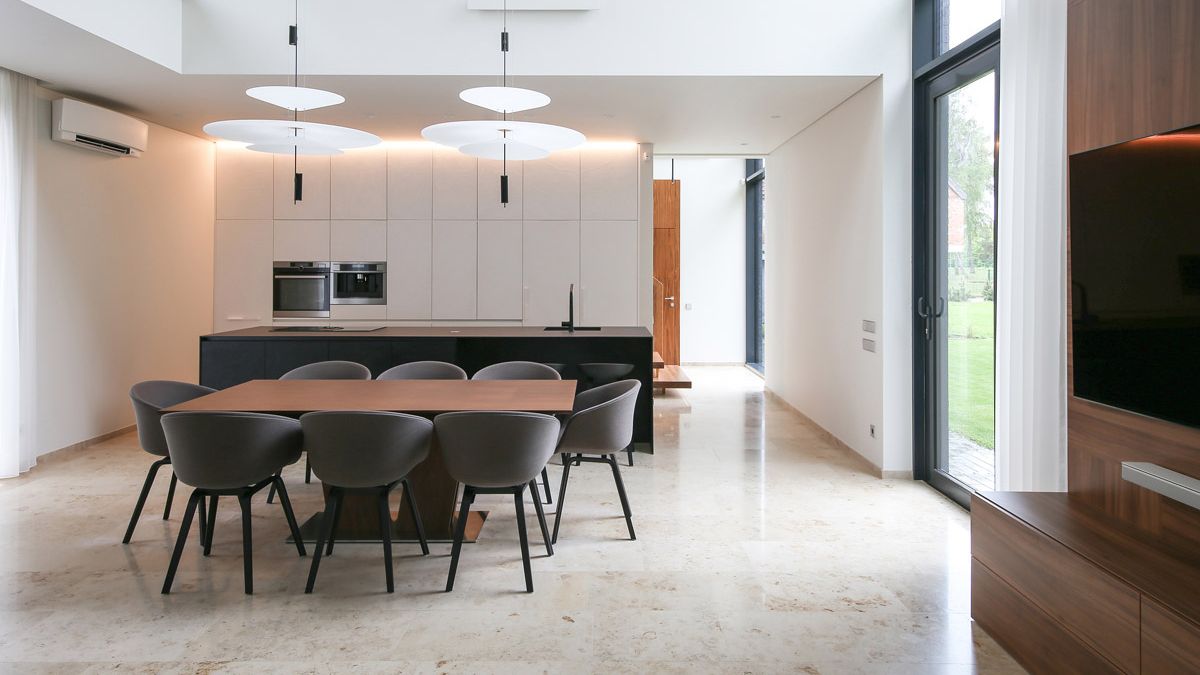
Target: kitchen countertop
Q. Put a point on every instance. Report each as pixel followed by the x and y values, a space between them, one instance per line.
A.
pixel 435 332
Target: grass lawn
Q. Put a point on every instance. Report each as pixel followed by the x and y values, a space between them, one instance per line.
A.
pixel 971 360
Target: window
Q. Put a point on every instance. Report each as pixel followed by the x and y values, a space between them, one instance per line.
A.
pixel 755 264
pixel 959 20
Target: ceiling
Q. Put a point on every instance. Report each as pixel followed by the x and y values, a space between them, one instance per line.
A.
pixel 735 115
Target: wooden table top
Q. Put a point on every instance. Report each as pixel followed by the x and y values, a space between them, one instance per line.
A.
pixel 408 396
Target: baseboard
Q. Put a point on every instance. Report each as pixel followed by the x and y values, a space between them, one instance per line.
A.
pixel 828 435
pixel 69 451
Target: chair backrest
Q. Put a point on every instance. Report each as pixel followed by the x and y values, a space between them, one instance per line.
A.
pixel 149 398
pixel 424 370
pixel 495 449
pixel 603 419
pixel 517 370
pixel 357 449
pixel 329 370
pixel 225 450
pixel 597 374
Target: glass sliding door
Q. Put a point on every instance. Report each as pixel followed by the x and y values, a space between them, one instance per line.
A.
pixel 955 276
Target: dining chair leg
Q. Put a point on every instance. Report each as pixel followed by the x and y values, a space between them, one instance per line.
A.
pixel 519 502
pixel 545 485
pixel 562 495
pixel 616 469
pixel 170 497
pixel 247 545
pixel 460 530
pixel 337 517
pixel 385 532
pixel 181 540
pixel 541 514
pixel 288 513
pixel 271 494
pixel 416 515
pixel 141 502
pixel 211 518
pixel 307 469
pixel 629 450
pixel 326 531
pixel 202 509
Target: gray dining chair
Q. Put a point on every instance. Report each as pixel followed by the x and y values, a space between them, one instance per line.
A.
pixel 600 426
pixel 235 454
pixel 149 399
pixel 522 370
pixel 364 451
pixel 323 370
pixel 598 374
pixel 424 370
pixel 497 453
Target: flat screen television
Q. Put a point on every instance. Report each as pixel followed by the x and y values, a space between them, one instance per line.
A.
pixel 1135 275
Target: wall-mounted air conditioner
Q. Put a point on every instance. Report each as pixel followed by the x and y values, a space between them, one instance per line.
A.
pixel 88 126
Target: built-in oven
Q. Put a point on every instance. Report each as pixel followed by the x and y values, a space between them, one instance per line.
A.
pixel 359 283
pixel 301 289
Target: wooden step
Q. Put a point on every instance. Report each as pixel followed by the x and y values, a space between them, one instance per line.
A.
pixel 672 377
pixel 656 361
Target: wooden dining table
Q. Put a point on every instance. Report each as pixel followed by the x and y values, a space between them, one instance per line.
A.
pixel 434 489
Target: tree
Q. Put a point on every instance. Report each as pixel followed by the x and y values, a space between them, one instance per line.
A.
pixel 970 165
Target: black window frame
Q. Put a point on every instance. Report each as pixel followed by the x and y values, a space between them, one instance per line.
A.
pixel 756 174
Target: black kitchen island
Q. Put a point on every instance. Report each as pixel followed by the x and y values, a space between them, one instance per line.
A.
pixel 259 353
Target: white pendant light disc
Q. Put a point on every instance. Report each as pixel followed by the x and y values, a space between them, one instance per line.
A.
pixel 291 133
pixel 296 98
pixel 496 150
pixel 310 149
pixel 548 137
pixel 505 99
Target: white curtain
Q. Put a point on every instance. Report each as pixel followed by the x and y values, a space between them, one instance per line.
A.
pixel 18 128
pixel 1031 376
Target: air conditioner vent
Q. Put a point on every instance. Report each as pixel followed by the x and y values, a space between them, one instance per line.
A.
pixel 102 145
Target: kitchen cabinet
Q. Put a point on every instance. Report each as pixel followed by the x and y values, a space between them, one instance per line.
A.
pixel 608 278
pixel 243 184
pixel 410 182
pixel 490 207
pixel 242 274
pixel 301 240
pixel 358 240
pixel 499 270
pixel 551 187
pixel 357 312
pixel 454 269
pixel 455 185
pixel 358 184
pixel 315 202
pixel 410 265
pixel 608 183
pixel 550 260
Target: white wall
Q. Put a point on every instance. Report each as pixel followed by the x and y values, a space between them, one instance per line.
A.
pixel 150 28
pixel 825 272
pixel 124 269
pixel 712 253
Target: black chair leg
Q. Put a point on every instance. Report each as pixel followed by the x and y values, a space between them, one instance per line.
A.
pixel 170 497
pixel 416 515
pixel 460 530
pixel 541 514
pixel 519 502
pixel 616 469
pixel 211 517
pixel 289 514
pixel 325 532
pixel 385 532
pixel 181 540
pixel 545 486
pixel 247 544
pixel 202 507
pixel 271 494
pixel 629 450
pixel 562 495
pixel 307 469
pixel 337 516
pixel 141 502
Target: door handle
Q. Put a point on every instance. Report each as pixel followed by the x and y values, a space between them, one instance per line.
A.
pixel 941 308
pixel 670 299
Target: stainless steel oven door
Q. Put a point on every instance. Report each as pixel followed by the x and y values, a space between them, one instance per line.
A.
pixel 301 290
pixel 359 283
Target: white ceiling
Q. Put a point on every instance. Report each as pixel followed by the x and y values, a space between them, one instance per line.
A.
pixel 739 115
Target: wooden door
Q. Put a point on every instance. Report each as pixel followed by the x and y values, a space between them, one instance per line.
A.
pixel 666 270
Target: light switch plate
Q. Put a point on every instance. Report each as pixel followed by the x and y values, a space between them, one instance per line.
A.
pixel 868 345
pixel 868 326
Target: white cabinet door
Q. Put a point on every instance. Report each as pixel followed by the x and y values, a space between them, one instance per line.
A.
pixel 454 269
pixel 358 240
pixel 551 187
pixel 551 263
pixel 490 207
pixel 357 312
pixel 455 185
pixel 608 279
pixel 608 182
pixel 306 240
pixel 500 270
pixel 243 184
pixel 314 203
pixel 242 274
pixel 410 261
pixel 358 184
pixel 410 182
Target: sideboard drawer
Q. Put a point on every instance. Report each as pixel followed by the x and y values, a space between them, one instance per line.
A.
pixel 1170 643
pixel 1094 605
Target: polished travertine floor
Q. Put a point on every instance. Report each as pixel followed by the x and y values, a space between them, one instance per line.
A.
pixel 761 548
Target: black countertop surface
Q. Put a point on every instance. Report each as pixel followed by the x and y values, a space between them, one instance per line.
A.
pixel 265 332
